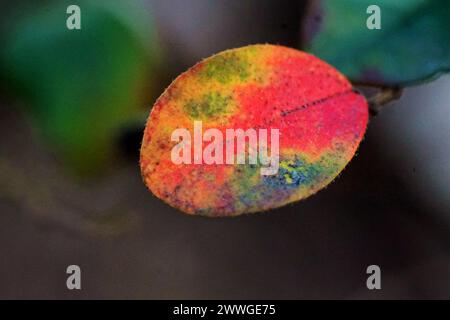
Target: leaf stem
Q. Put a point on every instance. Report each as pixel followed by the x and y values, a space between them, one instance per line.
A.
pixel 381 98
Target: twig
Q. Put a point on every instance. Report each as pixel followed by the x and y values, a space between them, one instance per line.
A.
pixel 384 96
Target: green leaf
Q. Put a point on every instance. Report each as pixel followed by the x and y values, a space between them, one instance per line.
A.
pixel 412 45
pixel 82 86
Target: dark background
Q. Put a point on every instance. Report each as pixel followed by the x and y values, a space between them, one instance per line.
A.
pixel 389 207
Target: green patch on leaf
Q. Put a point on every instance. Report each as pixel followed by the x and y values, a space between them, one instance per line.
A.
pixel 225 68
pixel 210 105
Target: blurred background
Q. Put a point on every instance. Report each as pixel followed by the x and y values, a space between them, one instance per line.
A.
pixel 73 105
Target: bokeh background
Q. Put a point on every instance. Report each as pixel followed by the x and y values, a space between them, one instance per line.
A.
pixel 73 105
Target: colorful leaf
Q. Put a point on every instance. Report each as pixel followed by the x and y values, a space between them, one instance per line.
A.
pixel 320 118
